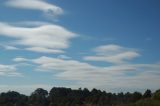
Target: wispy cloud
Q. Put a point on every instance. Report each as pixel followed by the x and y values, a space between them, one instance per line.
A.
pixel 29 23
pixel 47 38
pixel 9 70
pixel 20 59
pixel 44 50
pixel 57 64
pixel 8 47
pixel 40 5
pixel 112 53
pixel 63 57
pixel 88 75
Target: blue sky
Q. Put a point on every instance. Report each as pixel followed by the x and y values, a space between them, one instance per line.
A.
pixel 109 45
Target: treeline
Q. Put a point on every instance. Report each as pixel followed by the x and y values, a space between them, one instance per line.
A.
pixel 80 97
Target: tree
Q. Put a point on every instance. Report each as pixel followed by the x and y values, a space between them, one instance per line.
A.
pixel 79 97
pixel 136 96
pixel 13 98
pixel 147 94
pixel 39 97
pixel 60 96
pixel 156 95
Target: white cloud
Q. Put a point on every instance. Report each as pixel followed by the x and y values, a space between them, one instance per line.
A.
pixel 87 75
pixel 113 54
pixel 30 23
pixel 40 5
pixel 20 59
pixel 9 70
pixel 44 50
pixel 8 47
pixel 47 38
pixel 56 64
pixel 63 57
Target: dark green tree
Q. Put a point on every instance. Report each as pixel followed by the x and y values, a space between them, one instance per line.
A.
pixel 39 98
pixel 147 94
pixel 13 98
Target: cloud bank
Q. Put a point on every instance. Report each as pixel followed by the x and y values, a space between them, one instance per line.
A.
pixel 125 76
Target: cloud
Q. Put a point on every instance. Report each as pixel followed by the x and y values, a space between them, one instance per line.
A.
pixel 44 50
pixel 8 47
pixel 82 74
pixel 9 70
pixel 30 23
pixel 40 5
pixel 113 54
pixel 63 57
pixel 57 64
pixel 47 38
pixel 20 59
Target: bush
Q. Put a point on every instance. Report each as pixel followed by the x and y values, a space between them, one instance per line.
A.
pixel 156 96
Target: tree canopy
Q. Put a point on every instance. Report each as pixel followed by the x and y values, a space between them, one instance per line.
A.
pixel 60 96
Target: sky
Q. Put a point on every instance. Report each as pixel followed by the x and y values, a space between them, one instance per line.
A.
pixel 111 45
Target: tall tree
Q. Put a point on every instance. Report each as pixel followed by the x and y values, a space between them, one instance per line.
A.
pixel 39 97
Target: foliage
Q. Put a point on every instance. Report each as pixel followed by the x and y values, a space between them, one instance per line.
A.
pixel 147 94
pixel 80 97
pixel 13 98
pixel 157 95
pixel 39 97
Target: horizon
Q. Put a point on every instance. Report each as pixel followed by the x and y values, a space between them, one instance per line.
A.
pixel 107 45
pixel 82 89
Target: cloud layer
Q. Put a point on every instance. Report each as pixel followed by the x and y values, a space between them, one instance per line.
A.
pixel 123 76
pixel 47 38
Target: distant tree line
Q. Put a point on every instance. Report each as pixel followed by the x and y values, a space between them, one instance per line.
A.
pixel 67 97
